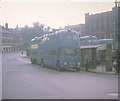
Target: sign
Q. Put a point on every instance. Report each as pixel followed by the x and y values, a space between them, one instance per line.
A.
pixel 34 46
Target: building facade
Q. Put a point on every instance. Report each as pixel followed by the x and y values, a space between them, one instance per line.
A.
pixel 118 28
pixel 10 39
pixel 80 28
pixel 102 25
pixel 7 40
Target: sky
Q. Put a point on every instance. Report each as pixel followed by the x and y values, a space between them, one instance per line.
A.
pixel 52 13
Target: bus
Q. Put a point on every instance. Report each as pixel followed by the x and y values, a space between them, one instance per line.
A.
pixel 88 40
pixel 59 50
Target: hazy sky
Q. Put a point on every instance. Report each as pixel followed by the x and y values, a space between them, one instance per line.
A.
pixel 54 14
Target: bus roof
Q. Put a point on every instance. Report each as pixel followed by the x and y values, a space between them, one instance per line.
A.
pixel 54 33
pixel 86 37
pixel 105 39
pixel 66 31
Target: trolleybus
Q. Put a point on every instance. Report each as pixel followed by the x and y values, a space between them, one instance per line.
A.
pixel 59 50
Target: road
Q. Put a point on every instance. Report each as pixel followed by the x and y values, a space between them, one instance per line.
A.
pixel 23 80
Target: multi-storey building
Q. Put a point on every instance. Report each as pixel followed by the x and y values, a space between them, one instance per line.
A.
pixel 102 25
pixel 10 38
pixel 7 39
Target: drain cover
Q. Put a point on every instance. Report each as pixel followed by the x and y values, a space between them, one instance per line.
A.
pixel 112 93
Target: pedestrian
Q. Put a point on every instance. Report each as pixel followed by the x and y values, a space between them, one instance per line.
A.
pixel 115 65
pixel 22 52
pixel 86 63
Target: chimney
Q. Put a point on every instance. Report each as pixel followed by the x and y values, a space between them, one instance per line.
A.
pixel 6 25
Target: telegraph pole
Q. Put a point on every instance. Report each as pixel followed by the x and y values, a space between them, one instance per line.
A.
pixel 116 25
pixel 116 33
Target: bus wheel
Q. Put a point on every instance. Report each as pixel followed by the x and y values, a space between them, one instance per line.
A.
pixel 35 61
pixel 58 65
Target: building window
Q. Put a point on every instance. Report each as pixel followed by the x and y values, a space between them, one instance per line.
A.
pixel 113 35
pixel 104 36
pixel 110 35
pixel 9 48
pixel 105 24
pixel 3 48
pixel 100 36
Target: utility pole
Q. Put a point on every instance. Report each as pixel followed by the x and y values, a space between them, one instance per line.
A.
pixel 116 33
pixel 116 25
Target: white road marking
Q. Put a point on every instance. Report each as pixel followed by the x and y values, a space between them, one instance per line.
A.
pixel 113 94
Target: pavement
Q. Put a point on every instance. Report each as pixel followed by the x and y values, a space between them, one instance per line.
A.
pixel 99 69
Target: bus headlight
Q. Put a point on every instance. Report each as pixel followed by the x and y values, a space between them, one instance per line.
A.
pixel 78 64
pixel 65 63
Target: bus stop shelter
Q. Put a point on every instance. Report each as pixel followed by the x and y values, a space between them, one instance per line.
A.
pixel 90 51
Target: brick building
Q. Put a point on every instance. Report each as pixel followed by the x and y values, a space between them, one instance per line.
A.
pixel 102 25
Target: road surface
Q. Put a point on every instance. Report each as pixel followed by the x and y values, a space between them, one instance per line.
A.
pixel 23 80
